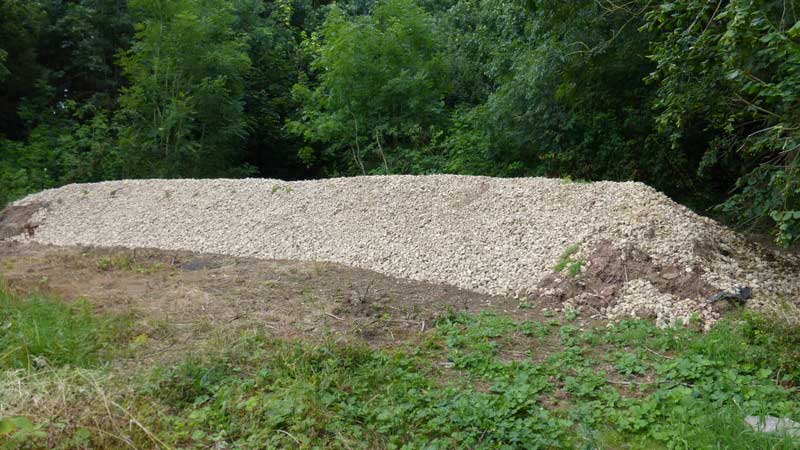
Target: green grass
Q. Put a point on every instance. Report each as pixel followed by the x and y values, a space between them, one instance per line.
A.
pixel 37 331
pixel 630 385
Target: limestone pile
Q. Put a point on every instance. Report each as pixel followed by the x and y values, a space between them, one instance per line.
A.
pixel 496 236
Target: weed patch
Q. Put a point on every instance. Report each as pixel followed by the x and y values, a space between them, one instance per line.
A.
pixel 648 388
pixel 630 385
pixel 566 261
pixel 309 396
pixel 37 331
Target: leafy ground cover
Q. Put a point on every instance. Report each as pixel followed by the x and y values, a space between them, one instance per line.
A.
pixel 483 380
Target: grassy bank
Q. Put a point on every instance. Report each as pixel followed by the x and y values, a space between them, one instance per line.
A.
pixel 74 379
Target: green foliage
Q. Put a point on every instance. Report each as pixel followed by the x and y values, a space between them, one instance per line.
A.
pixel 55 126
pixel 21 25
pixel 274 36
pixel 730 71
pixel 663 389
pixel 38 332
pixel 381 90
pixel 465 384
pixel 366 399
pixel 4 73
pixel 23 170
pixel 698 99
pixel 183 110
pixel 710 380
pixel 566 261
pixel 18 432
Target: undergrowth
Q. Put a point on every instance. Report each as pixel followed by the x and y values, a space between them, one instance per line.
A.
pixel 475 381
pixel 37 332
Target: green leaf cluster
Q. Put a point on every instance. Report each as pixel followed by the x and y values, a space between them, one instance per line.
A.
pixel 698 99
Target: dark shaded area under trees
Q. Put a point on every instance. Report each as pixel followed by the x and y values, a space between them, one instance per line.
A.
pixel 700 99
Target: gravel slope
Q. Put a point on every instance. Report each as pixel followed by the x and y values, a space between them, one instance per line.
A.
pixel 496 236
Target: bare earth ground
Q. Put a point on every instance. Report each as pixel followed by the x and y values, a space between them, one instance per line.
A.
pixel 181 299
pixel 191 294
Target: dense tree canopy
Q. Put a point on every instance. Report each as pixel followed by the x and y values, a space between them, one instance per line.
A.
pixel 182 112
pixel 380 90
pixel 698 98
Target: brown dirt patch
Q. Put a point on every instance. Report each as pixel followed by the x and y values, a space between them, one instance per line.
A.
pixel 15 220
pixel 609 267
pixel 186 292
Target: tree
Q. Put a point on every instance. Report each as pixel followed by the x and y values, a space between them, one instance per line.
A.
pixel 274 32
pixel 183 112
pixel 60 89
pixel 380 98
pixel 21 25
pixel 730 71
pixel 4 73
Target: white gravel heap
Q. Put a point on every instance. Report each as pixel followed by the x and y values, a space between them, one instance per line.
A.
pixel 496 236
pixel 642 300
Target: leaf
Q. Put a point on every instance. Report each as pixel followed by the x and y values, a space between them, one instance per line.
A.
pixel 7 426
pixel 794 31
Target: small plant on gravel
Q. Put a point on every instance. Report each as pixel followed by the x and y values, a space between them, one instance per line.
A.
pixel 566 257
pixel 285 188
pixel 566 261
pixel 569 180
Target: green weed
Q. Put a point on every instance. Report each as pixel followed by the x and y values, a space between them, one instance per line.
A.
pixel 630 385
pixel 17 432
pixel 276 394
pixel 285 188
pixel 566 261
pixel 569 180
